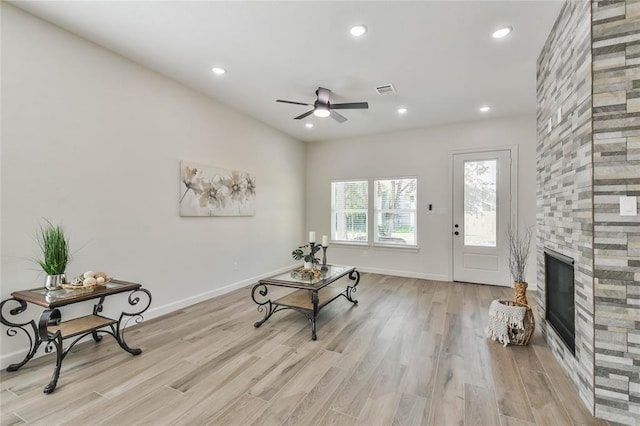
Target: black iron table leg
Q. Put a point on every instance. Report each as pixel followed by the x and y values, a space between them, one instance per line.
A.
pixel 265 305
pixel 52 317
pixel 133 299
pixel 314 300
pixel 353 276
pixel 57 342
pixel 29 328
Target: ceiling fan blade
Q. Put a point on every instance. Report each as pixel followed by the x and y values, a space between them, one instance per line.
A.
pixel 306 114
pixel 337 116
pixel 323 95
pixel 350 105
pixel 291 102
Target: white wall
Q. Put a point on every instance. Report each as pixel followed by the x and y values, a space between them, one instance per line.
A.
pixel 93 140
pixel 424 153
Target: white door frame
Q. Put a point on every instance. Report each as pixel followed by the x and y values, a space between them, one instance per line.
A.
pixel 514 190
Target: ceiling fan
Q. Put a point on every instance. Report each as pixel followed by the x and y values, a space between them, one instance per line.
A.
pixel 323 108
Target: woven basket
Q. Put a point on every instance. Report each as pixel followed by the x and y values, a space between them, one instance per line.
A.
pixel 521 337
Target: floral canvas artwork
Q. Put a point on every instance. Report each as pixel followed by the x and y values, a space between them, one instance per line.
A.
pixel 213 191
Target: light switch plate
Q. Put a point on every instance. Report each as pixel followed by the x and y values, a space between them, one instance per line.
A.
pixel 628 206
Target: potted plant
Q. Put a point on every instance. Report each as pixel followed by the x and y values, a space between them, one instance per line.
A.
pixel 54 243
pixel 519 244
pixel 310 259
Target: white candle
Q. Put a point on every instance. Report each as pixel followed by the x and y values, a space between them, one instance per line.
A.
pixel 325 240
pixel 312 237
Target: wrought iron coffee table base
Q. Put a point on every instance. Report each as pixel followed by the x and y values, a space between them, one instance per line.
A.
pixel 308 301
pixel 52 331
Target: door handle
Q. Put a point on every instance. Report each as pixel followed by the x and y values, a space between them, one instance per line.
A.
pixel 456 233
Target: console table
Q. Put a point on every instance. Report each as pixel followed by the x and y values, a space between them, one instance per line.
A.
pixel 52 330
pixel 311 295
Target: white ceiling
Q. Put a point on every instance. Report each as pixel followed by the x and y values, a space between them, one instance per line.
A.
pixel 439 55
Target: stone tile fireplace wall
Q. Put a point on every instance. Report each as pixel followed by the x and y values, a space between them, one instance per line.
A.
pixel 590 70
pixel 564 180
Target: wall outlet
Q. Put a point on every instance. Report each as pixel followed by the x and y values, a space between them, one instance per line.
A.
pixel 235 266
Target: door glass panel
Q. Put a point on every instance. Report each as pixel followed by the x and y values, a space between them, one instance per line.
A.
pixel 480 204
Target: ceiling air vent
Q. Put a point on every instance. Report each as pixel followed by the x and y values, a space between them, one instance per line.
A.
pixel 386 89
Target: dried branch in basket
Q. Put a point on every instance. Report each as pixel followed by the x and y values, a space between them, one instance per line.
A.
pixel 518 252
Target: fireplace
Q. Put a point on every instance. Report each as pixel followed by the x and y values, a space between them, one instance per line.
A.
pixel 560 308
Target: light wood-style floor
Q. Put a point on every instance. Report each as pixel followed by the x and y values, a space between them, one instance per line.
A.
pixel 412 352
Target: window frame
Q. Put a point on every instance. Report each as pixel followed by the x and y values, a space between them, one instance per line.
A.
pixel 335 211
pixel 376 211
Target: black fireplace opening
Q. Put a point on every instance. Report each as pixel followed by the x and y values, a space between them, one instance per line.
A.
pixel 560 307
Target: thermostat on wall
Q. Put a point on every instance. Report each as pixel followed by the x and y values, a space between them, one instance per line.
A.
pixel 628 206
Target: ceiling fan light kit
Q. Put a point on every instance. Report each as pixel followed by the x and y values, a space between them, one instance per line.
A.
pixel 323 108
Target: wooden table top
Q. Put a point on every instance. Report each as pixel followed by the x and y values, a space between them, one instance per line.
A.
pixel 60 297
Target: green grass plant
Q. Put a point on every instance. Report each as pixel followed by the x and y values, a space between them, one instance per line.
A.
pixel 54 244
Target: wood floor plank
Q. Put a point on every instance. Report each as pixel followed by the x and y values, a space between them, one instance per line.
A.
pixel 411 352
pixel 240 411
pixel 447 405
pixel 317 401
pixel 333 418
pixel 353 393
pixel 129 396
pixel 511 396
pixel 410 411
pixel 385 395
pixel 511 421
pixel 421 372
pixel 480 406
pixel 147 410
pixel 269 385
pixel 565 390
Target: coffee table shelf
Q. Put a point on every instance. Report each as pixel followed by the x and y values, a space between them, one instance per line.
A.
pixel 301 299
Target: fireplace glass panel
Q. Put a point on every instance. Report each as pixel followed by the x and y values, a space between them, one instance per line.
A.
pixel 560 308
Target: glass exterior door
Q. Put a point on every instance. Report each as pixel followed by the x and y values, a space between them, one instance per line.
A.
pixel 481 214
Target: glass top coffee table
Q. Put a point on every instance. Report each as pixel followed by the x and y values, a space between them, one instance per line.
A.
pixel 313 292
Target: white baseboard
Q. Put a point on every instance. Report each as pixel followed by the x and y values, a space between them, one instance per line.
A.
pixel 192 300
pixel 405 274
pixel 18 356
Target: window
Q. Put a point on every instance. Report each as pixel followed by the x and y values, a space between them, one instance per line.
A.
pixel 349 211
pixel 395 211
pixel 480 203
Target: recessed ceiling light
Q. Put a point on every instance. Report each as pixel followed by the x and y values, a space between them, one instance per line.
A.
pixel 402 110
pixel 485 108
pixel 358 30
pixel 502 32
pixel 308 125
pixel 219 70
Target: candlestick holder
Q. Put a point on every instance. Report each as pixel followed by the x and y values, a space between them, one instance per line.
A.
pixel 324 267
pixel 312 245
